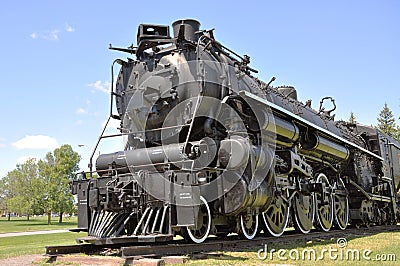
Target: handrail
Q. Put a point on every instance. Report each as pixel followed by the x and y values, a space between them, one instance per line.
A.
pixel 90 165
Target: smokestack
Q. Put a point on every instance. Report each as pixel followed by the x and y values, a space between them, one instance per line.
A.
pixel 189 26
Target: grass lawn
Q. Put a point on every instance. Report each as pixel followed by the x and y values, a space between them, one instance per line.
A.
pixel 380 249
pixel 34 244
pixel 20 224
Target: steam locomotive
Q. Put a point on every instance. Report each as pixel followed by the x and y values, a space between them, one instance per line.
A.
pixel 209 149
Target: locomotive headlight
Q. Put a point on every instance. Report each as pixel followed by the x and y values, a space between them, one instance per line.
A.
pixel 201 177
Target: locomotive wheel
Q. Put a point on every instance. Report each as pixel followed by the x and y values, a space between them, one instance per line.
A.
pixel 324 202
pixel 341 206
pixel 276 216
pixel 249 226
pixel 199 234
pixel 304 212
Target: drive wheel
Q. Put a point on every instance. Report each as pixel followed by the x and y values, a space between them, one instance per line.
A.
pixel 201 232
pixel 249 225
pixel 276 216
pixel 304 212
pixel 341 205
pixel 324 202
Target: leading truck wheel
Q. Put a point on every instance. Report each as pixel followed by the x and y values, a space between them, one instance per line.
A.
pixel 249 226
pixel 200 233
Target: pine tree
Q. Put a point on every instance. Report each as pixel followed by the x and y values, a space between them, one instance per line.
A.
pixel 387 122
pixel 352 118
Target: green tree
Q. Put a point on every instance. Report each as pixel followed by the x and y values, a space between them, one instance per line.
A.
pixel 12 191
pixel 3 203
pixel 352 118
pixel 31 187
pixel 397 135
pixel 21 188
pixel 386 121
pixel 4 196
pixel 56 171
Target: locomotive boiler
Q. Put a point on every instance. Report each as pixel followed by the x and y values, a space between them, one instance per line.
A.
pixel 209 149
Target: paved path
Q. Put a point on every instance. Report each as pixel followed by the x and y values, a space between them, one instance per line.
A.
pixel 33 233
pixel 24 260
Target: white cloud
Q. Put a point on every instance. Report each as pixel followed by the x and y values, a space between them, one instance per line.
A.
pixel 34 35
pixel 81 111
pixel 51 35
pixel 36 142
pixel 79 122
pixel 100 86
pixel 69 28
pixel 84 110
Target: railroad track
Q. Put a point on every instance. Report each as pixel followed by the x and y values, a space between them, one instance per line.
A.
pixel 229 243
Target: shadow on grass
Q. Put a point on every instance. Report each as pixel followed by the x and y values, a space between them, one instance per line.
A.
pixel 33 224
pixel 20 224
pixel 218 257
pixel 227 257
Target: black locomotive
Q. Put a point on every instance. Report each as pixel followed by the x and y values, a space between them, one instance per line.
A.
pixel 211 149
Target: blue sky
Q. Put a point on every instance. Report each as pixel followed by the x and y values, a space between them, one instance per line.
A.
pixel 55 65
